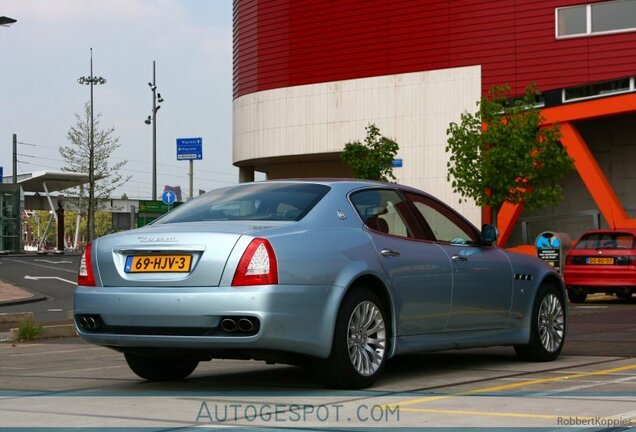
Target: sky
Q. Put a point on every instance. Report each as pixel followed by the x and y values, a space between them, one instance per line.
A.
pixel 44 53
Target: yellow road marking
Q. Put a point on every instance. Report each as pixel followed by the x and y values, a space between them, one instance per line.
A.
pixel 496 414
pixel 512 386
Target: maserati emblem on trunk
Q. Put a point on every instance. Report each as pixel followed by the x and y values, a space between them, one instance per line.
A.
pixel 157 239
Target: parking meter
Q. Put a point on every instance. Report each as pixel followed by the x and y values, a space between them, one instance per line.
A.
pixel 552 247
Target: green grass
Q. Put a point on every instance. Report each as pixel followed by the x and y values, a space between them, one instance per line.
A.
pixel 29 330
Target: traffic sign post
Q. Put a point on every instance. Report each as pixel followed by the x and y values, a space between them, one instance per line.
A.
pixel 190 149
pixel 168 197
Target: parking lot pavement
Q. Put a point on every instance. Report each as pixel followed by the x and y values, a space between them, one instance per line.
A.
pixel 68 383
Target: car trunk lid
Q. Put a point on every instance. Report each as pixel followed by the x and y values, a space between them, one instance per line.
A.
pixel 164 255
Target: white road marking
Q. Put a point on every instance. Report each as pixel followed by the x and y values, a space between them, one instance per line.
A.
pixel 56 351
pixel 584 386
pixel 49 277
pixel 42 265
pixel 54 262
pixel 54 310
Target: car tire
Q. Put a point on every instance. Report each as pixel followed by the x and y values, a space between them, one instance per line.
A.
pixel 360 342
pixel 548 326
pixel 164 368
pixel 576 296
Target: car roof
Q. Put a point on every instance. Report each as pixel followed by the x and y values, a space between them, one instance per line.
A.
pixel 354 183
pixel 611 231
pixel 347 183
pixel 329 180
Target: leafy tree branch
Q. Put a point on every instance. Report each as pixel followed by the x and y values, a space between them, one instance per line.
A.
pixel 502 153
pixel 373 159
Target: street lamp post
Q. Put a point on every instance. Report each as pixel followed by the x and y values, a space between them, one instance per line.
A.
pixel 91 80
pixel 5 21
pixel 156 97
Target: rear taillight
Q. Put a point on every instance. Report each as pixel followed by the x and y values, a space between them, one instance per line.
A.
pixel 628 260
pixel 257 265
pixel 85 275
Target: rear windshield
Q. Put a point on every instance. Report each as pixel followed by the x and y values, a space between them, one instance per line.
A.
pixel 606 241
pixel 257 202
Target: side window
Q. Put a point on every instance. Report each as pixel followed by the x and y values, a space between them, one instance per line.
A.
pixel 443 224
pixel 382 211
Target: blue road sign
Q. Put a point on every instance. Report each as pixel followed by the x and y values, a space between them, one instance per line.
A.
pixel 1 174
pixel 189 148
pixel 397 163
pixel 168 197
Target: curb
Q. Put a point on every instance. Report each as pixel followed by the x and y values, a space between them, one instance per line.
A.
pixel 14 317
pixel 33 299
pixel 50 332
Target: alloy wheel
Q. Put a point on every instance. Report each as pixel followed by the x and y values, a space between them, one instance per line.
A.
pixel 551 323
pixel 366 338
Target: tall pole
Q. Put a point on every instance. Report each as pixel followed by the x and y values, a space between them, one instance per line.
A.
pixel 154 133
pixel 91 166
pixel 156 97
pixel 90 212
pixel 191 176
pixel 15 158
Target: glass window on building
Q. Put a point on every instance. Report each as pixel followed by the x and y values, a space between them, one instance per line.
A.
pixel 599 89
pixel 596 18
pixel 9 218
pixel 572 21
pixel 614 16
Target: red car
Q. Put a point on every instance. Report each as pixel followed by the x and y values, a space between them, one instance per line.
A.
pixel 602 261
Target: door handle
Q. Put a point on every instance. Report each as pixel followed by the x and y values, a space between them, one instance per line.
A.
pixel 458 258
pixel 389 253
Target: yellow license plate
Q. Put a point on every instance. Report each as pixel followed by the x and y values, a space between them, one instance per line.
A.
pixel 158 264
pixel 597 260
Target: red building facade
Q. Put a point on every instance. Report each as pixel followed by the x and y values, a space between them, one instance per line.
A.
pixel 300 67
pixel 283 43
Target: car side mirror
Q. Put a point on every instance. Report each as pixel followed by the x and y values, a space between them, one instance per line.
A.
pixel 489 234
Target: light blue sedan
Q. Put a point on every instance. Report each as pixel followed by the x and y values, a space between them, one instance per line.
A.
pixel 339 274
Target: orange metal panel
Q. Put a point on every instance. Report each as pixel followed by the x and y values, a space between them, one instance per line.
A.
pixel 584 162
pixel 590 109
pixel 506 220
pixel 594 179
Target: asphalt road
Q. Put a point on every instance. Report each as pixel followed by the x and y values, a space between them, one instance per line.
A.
pixel 51 276
pixel 69 383
pixel 603 325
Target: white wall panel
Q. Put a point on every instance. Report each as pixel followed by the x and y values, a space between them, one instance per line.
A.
pixel 414 109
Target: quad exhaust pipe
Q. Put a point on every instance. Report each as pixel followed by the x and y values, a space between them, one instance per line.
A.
pixel 89 322
pixel 240 324
pixel 228 325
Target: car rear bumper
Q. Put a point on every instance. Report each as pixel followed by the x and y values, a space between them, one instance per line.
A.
pixel 296 319
pixel 600 276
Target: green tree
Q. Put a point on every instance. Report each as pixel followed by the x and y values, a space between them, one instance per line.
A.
pixel 501 153
pixel 373 159
pixel 103 224
pixel 106 175
pixel 37 222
